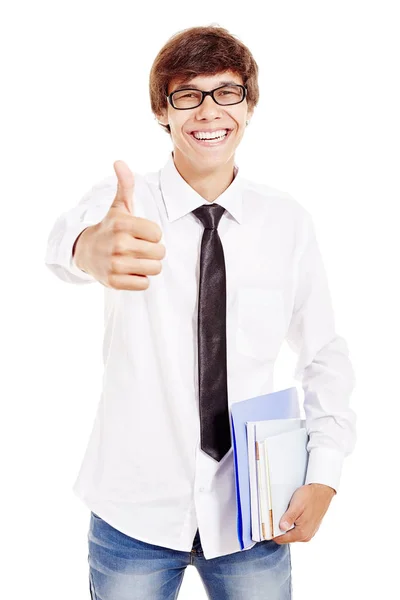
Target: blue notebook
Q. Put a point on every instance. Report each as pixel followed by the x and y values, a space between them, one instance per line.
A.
pixel 283 404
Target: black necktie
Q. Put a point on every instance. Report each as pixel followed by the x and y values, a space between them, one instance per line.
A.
pixel 215 433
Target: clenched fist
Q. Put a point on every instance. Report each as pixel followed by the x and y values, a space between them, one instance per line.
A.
pixel 122 250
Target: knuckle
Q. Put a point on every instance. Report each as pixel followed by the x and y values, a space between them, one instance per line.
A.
pixel 157 266
pixel 138 283
pixel 113 281
pixel 118 247
pixel 157 233
pixel 306 538
pixel 114 264
pixel 117 225
pixel 144 283
pixel 136 247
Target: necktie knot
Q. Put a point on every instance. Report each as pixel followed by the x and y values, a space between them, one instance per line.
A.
pixel 209 214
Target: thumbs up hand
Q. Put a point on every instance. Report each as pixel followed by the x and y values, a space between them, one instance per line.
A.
pixel 126 184
pixel 122 250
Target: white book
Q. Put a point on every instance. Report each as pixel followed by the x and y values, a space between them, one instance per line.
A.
pixel 254 476
pixel 264 490
pixel 278 457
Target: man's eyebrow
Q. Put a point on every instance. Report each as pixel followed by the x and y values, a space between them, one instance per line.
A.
pixel 187 84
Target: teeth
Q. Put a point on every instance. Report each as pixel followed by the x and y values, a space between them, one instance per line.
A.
pixel 201 135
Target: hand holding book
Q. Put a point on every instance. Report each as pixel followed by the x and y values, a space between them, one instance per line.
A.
pixel 306 510
pixel 274 415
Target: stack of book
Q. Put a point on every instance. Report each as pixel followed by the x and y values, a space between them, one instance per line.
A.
pixel 270 459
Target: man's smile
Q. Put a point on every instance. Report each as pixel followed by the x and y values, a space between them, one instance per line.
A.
pixel 206 139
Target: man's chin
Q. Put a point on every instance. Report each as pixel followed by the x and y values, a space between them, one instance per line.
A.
pixel 201 160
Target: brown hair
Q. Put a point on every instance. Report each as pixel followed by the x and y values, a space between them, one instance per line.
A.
pixel 201 51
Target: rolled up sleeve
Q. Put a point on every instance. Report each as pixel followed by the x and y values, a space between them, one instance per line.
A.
pixel 91 209
pixel 323 366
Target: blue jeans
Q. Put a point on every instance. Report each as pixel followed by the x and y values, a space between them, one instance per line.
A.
pixel 124 568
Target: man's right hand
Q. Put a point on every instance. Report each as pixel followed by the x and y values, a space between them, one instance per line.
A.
pixel 122 250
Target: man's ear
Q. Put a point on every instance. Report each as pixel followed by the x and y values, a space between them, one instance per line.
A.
pixel 162 117
pixel 250 112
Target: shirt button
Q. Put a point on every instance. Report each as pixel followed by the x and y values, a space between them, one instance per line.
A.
pixel 201 489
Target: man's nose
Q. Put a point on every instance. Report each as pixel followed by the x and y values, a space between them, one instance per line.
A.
pixel 208 108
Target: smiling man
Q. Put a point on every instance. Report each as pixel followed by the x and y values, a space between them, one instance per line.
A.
pixel 207 117
pixel 235 271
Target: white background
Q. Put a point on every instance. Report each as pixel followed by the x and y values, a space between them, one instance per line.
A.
pixel 326 130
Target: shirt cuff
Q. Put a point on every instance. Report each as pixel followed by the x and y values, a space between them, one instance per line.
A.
pixel 59 255
pixel 324 466
pixel 75 270
pixel 68 244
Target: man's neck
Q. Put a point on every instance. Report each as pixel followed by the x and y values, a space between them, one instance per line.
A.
pixel 210 184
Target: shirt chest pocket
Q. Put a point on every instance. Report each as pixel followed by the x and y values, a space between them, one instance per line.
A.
pixel 261 322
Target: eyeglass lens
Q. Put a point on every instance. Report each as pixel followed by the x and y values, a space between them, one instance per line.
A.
pixel 224 95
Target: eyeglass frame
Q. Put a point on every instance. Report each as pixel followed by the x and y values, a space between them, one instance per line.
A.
pixel 210 93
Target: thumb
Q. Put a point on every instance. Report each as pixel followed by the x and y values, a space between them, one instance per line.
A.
pixel 286 522
pixel 126 183
pixel 288 519
pixel 295 508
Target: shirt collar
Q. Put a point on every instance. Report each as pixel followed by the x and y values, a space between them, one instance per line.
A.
pixel 180 198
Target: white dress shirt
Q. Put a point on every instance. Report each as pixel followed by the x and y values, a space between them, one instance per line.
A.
pixel 144 471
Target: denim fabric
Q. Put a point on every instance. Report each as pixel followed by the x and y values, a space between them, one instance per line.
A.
pixel 124 568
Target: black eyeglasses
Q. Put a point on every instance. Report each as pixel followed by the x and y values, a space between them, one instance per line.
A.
pixel 225 95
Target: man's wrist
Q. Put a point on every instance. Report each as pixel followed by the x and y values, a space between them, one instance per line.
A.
pixel 78 249
pixel 323 485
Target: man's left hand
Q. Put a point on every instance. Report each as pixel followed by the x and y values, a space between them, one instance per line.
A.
pixel 307 507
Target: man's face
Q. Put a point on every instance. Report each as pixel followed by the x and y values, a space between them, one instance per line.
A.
pixel 209 116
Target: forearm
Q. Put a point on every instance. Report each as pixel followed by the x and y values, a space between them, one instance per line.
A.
pixel 64 255
pixel 323 367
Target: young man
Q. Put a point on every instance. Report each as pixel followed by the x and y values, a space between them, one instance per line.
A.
pixel 205 274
